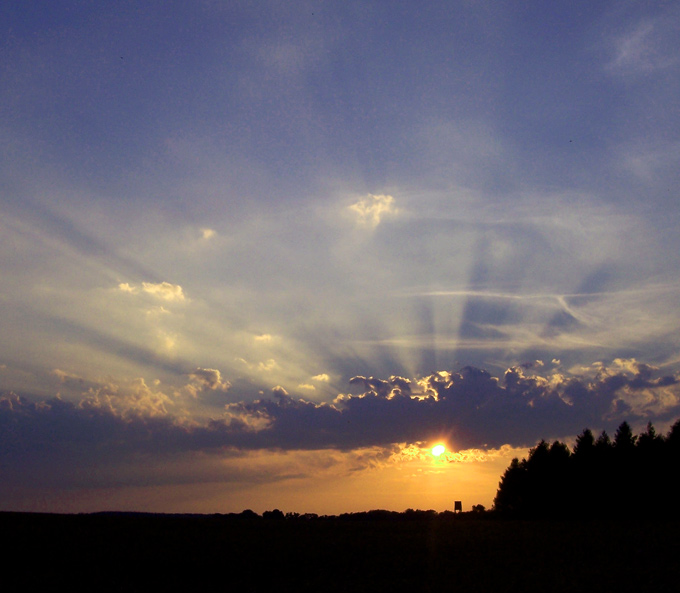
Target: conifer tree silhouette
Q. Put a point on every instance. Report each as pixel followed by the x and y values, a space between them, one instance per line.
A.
pixel 631 475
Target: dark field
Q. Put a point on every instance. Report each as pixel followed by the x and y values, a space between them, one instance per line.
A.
pixel 468 552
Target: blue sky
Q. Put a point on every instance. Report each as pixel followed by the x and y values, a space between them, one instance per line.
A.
pixel 241 228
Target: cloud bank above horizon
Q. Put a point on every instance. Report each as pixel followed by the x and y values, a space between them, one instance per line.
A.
pixel 471 411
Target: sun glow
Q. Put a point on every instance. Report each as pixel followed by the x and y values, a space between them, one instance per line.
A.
pixel 438 450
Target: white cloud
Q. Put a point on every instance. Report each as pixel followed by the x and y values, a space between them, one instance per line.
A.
pixel 371 209
pixel 321 377
pixel 164 290
pixel 208 233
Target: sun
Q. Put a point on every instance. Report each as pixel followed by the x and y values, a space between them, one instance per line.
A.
pixel 438 450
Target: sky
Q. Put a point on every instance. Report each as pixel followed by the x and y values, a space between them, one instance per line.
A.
pixel 267 254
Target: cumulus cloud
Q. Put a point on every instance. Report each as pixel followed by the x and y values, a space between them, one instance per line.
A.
pixel 202 380
pixel 371 209
pixel 134 434
pixel 136 398
pixel 124 399
pixel 323 377
pixel 470 408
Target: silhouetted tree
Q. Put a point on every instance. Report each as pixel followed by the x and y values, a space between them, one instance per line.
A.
pixel 275 514
pixel 624 485
pixel 585 444
pixel 673 438
pixel 630 475
pixel 511 489
pixel 583 475
pixel 603 443
pixel 249 514
pixel 624 440
pixel 649 439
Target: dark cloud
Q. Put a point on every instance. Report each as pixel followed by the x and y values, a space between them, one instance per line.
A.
pixel 470 407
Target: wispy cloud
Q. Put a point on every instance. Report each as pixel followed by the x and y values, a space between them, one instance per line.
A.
pixel 162 290
pixel 651 45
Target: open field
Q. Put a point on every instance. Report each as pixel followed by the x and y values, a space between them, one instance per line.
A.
pixel 129 552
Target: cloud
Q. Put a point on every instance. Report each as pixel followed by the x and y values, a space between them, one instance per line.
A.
pixel 161 290
pixel 474 408
pixel 164 290
pixel 136 398
pixel 125 287
pixel 202 380
pixel 371 209
pixel 323 377
pixel 650 161
pixel 65 377
pixel 208 233
pixel 471 407
pixel 650 45
pixel 116 427
pixel 268 366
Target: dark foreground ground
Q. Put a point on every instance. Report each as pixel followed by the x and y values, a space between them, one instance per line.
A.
pixel 122 552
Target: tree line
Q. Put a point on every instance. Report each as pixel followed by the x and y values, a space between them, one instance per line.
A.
pixel 633 475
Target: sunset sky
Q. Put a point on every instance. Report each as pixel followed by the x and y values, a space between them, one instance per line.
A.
pixel 264 254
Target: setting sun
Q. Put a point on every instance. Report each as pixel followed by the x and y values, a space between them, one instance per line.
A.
pixel 438 450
